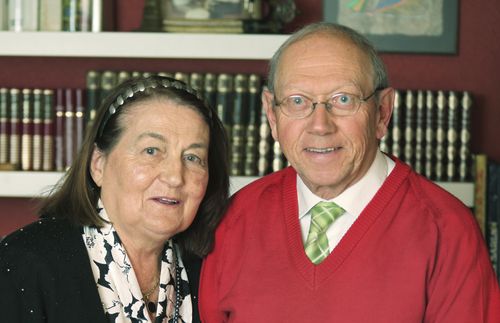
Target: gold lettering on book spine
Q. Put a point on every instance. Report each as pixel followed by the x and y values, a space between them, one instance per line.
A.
pixel 37 130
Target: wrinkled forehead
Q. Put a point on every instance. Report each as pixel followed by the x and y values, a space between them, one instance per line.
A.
pixel 325 57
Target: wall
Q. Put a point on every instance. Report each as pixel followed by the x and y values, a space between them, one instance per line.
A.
pixel 475 68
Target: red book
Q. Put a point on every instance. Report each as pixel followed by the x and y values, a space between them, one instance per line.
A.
pixel 4 126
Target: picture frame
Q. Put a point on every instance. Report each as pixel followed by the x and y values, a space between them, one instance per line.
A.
pixel 220 16
pixel 411 26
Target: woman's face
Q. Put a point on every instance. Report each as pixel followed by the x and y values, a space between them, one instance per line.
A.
pixel 154 179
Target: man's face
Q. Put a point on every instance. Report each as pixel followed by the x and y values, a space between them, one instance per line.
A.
pixel 330 153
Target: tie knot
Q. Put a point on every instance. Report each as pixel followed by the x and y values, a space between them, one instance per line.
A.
pixel 324 213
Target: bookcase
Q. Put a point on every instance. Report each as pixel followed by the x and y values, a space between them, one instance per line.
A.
pixel 145 45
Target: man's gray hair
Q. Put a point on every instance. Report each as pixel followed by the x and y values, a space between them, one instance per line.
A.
pixel 380 79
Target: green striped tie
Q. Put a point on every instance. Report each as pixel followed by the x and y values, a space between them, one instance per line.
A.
pixel 322 215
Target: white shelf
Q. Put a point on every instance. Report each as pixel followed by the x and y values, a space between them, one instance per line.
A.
pixel 36 184
pixel 140 45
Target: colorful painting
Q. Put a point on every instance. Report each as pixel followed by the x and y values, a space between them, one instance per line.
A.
pixel 388 23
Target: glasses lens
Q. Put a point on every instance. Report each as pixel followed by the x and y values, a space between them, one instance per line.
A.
pixel 344 103
pixel 296 106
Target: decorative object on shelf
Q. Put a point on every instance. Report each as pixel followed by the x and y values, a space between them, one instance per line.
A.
pixel 400 26
pixel 216 16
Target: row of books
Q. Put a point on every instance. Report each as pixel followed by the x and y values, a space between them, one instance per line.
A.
pixel 487 205
pixel 53 15
pixel 40 129
pixel 433 137
pixel 430 130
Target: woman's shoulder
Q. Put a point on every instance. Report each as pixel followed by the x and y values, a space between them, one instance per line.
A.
pixel 42 236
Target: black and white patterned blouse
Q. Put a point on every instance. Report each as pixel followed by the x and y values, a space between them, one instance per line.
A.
pixel 117 283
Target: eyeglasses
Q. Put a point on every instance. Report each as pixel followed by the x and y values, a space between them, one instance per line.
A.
pixel 340 104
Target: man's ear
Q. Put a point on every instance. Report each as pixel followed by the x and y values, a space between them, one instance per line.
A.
pixel 385 107
pixel 268 105
pixel 97 163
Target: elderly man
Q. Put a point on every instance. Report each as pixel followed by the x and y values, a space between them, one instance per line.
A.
pixel 347 233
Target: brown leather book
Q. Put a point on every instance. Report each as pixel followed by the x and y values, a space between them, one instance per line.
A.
pixel 15 128
pixel 4 126
pixel 59 154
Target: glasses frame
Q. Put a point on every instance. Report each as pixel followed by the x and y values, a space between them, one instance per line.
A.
pixel 327 104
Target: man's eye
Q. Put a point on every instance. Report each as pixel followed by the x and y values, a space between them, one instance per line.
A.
pixel 297 100
pixel 151 150
pixel 343 100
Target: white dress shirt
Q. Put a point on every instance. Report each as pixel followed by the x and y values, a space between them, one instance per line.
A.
pixel 353 200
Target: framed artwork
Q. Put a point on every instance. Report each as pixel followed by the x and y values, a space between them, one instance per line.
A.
pixel 412 26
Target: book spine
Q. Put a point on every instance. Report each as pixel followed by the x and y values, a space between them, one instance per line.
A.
pixel 85 10
pixel 278 159
pixel 15 15
pixel 26 131
pixel 465 135
pixel 71 15
pixel 196 82
pixel 30 13
pixel 37 130
pixel 420 133
pixel 210 89
pixel 239 124
pixel 15 129
pixel 122 76
pixel 50 15
pixel 439 170
pixel 4 14
pixel 109 80
pixel 48 130
pixel 493 208
pixel 452 138
pixel 79 120
pixel 69 129
pixel 397 125
pixel 429 135
pixel 4 126
pixel 480 190
pixel 252 134
pixel 96 16
pixel 59 131
pixel 409 129
pixel 181 76
pixel 93 83
pixel 225 101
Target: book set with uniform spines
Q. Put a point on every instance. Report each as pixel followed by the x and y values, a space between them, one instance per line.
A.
pixel 429 130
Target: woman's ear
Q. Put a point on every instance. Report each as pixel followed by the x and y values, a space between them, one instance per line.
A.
pixel 97 163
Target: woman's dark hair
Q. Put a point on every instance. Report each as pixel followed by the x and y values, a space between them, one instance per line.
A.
pixel 76 195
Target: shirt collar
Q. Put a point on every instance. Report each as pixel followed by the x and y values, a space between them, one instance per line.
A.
pixel 355 198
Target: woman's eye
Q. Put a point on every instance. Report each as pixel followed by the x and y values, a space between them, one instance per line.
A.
pixel 193 158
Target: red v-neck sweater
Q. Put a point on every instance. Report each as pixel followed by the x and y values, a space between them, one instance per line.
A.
pixel 415 254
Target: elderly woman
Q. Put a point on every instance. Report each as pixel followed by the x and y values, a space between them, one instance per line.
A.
pixel 120 240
